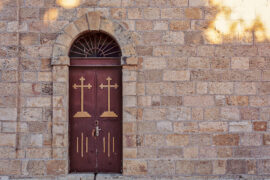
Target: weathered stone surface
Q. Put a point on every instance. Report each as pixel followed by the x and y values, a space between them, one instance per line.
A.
pixel 226 140
pixel 8 140
pixel 161 167
pixel 191 109
pixel 36 168
pixel 8 114
pixel 56 167
pixel 177 140
pixel 135 167
pixel 11 167
pixel 236 167
pixel 198 101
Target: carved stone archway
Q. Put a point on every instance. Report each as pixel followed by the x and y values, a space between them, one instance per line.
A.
pixel 60 62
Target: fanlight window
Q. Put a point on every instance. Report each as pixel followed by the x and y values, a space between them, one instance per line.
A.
pixel 95 44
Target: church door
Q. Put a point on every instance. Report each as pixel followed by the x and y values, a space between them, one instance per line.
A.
pixel 95 115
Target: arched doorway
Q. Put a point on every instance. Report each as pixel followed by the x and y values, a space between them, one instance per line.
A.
pixel 95 104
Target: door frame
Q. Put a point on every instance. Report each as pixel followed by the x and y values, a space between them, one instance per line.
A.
pixel 97 62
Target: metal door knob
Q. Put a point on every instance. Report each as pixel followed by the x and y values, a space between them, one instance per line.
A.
pixel 97 131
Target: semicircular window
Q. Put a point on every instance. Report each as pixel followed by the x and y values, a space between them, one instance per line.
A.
pixel 95 44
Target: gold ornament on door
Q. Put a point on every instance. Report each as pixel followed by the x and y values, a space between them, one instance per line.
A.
pixel 109 113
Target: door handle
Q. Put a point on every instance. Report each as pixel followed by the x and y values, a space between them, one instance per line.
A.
pixel 97 131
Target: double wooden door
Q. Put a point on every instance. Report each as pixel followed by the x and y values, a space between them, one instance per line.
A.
pixel 95 115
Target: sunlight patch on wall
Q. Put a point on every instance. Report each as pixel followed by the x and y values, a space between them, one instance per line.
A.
pixel 239 19
pixel 50 15
pixel 68 4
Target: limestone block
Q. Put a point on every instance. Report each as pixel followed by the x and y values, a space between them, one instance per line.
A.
pixel 185 127
pixel 220 88
pixel 249 114
pixel 198 101
pixel 72 30
pixel 135 13
pixel 236 166
pixel 177 140
pixel 240 63
pixel 151 13
pixel 154 114
pixel 179 114
pixel 260 126
pixel 45 76
pixel 164 126
pixel 9 127
pixel 8 114
pixel 93 20
pixel 36 168
pixel 64 39
pixel 172 13
pixel 130 101
pixel 110 3
pixel 154 140
pixel 240 126
pixel 82 24
pixel 129 88
pixel 174 38
pixel 38 153
pixel 219 167
pixel 191 152
pixel 161 167
pixel 198 63
pixel 59 50
pixel 184 88
pixel 154 63
pixel 38 102
pixel 179 25
pixel 135 167
pixel 107 26
pixel 230 113
pixel 239 100
pixel 226 140
pixel 56 167
pixel 193 13
pixel 10 167
pixel 60 73
pixel 8 140
pixel 31 114
pixel 251 140
pixel 172 75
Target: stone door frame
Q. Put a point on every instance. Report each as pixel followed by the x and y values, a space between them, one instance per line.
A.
pixel 60 63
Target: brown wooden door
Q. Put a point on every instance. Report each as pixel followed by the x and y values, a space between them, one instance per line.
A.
pixel 95 115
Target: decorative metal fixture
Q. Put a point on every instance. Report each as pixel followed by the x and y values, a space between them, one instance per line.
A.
pixel 95 44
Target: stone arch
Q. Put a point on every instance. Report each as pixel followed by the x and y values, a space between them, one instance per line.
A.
pixel 60 76
pixel 92 21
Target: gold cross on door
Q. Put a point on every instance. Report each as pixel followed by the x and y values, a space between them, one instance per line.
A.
pixel 109 113
pixel 82 113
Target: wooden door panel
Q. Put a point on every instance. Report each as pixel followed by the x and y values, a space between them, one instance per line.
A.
pixel 89 153
pixel 82 144
pixel 110 140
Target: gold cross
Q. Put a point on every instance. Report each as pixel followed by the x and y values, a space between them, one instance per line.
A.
pixel 82 113
pixel 109 113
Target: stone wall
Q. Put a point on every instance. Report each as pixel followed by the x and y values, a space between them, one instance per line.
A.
pixel 192 109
